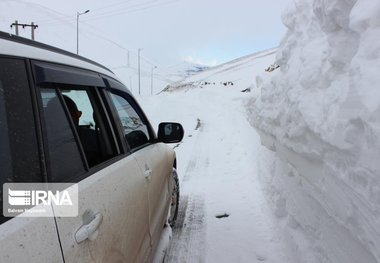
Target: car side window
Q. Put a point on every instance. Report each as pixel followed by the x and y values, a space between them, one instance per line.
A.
pixel 76 125
pixel 65 159
pixel 134 129
pixel 89 119
pixel 19 151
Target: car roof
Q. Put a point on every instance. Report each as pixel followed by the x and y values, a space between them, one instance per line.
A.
pixel 22 47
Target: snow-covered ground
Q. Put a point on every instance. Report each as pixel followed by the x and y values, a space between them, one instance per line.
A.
pixel 303 185
pixel 217 163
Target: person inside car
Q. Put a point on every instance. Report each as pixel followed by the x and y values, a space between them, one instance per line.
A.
pixel 89 137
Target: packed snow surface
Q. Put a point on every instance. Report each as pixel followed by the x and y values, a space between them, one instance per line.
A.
pixel 319 114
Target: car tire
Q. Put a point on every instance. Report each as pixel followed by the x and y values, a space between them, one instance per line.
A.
pixel 173 210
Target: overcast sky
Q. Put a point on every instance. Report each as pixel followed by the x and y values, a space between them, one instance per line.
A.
pixel 208 32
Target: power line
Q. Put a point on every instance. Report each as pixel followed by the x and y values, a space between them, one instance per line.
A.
pixel 111 5
pixel 68 20
pixel 125 9
pixel 101 15
pixel 47 10
pixel 142 58
pixel 146 73
pixel 140 7
pixel 57 20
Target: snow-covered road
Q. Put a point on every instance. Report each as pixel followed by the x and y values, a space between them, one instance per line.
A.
pixel 223 216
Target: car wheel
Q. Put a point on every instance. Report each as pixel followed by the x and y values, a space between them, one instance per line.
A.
pixel 173 213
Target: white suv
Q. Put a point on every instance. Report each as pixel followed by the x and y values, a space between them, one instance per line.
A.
pixel 66 119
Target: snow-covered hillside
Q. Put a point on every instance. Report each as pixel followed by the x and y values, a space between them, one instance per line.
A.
pixel 319 114
pixel 240 72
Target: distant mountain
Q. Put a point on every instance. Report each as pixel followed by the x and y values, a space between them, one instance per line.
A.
pixel 187 69
pixel 193 69
pixel 238 73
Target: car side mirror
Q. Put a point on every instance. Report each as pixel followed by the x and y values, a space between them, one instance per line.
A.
pixel 170 132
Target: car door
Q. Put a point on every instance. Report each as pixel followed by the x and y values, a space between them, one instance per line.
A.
pixel 153 160
pixel 151 157
pixel 113 204
pixel 112 223
pixel 22 239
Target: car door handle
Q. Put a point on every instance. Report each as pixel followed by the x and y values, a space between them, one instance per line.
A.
pixel 89 231
pixel 148 173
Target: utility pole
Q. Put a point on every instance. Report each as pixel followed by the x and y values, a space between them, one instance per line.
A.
pixel 151 81
pixel 16 24
pixel 139 69
pixel 130 83
pixel 32 26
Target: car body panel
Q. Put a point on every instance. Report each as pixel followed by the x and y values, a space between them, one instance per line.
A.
pixel 119 194
pixel 26 239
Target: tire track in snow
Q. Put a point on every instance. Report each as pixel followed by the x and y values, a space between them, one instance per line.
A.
pixel 188 241
pixel 198 156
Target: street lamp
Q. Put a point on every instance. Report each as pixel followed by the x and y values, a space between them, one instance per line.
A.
pixel 78 14
pixel 151 82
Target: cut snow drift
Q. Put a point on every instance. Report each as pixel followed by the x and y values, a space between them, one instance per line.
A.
pixel 319 114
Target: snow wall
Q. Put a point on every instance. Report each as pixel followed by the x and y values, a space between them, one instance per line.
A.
pixel 319 115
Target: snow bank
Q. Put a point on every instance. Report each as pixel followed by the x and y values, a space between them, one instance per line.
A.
pixel 320 114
